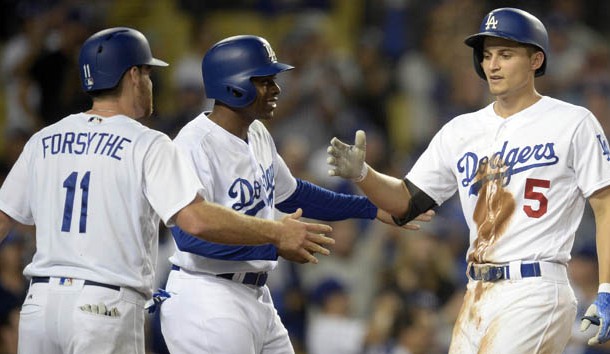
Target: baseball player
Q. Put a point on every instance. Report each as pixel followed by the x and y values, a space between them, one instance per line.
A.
pixel 96 184
pixel 523 167
pixel 219 302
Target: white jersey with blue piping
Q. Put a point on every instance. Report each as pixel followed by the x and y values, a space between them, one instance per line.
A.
pixel 96 189
pixel 246 176
pixel 522 180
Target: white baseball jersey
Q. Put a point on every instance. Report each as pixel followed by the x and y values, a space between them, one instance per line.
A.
pixel 96 189
pixel 208 314
pixel 248 177
pixel 522 181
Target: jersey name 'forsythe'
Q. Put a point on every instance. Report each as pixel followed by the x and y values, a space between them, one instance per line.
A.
pixel 87 143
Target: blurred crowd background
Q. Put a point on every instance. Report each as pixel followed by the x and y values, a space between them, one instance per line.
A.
pixel 395 68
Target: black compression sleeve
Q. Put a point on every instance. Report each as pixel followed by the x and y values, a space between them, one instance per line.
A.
pixel 419 203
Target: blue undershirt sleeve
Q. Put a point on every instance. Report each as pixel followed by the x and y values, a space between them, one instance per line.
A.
pixel 192 244
pixel 322 204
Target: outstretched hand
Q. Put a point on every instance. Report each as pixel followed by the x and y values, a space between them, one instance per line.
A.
pixel 347 161
pixel 386 218
pixel 301 240
pixel 598 314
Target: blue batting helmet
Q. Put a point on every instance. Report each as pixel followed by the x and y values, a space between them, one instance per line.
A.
pixel 106 55
pixel 229 65
pixel 513 24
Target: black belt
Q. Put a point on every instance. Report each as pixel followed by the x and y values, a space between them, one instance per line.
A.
pixel 250 278
pixel 87 282
pixel 487 272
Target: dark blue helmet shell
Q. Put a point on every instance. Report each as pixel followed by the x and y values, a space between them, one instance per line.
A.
pixel 229 65
pixel 512 24
pixel 107 54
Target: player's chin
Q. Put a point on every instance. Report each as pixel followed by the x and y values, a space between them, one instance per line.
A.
pixel 495 91
pixel 266 115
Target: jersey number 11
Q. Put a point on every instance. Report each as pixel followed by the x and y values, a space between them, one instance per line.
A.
pixel 70 185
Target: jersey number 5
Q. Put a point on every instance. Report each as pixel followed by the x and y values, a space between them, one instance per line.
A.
pixel 70 186
pixel 530 194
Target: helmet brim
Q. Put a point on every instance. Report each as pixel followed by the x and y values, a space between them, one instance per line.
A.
pixel 473 40
pixel 271 69
pixel 476 40
pixel 157 62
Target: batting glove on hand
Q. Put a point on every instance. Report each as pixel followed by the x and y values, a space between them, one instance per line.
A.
pixel 598 314
pixel 348 160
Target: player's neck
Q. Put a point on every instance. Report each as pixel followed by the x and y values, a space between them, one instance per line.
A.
pixel 113 107
pixel 103 112
pixel 106 108
pixel 506 106
pixel 230 121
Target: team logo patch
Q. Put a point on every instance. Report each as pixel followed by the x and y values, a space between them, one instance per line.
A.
pixel 65 281
pixel 604 144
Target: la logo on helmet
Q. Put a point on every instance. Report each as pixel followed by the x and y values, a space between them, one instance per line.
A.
pixel 491 22
pixel 270 52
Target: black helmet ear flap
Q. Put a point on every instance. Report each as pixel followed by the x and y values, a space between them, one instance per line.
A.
pixel 236 91
pixel 477 58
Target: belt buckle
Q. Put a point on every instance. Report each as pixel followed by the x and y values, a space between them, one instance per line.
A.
pixel 489 272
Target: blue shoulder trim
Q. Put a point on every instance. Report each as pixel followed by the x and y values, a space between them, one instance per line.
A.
pixel 322 204
pixel 192 244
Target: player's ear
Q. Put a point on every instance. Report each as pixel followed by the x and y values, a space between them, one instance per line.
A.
pixel 536 60
pixel 131 76
pixel 129 81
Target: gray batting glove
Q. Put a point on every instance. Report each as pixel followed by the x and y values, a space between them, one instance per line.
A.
pixel 347 161
pixel 598 314
pixel 100 309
